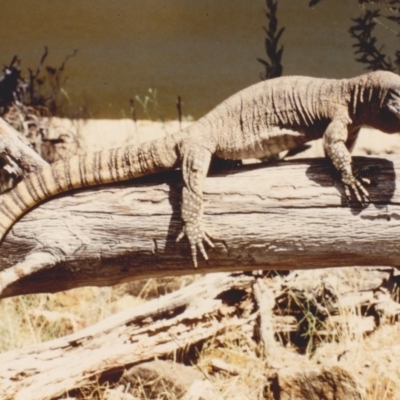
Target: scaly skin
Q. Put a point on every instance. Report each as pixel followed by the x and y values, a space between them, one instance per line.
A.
pixel 260 121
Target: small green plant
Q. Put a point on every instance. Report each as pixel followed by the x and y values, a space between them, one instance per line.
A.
pixel 150 105
pixel 310 321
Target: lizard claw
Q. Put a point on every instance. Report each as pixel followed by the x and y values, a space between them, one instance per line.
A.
pixel 355 186
pixel 196 235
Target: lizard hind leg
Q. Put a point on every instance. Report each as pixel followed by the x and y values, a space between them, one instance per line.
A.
pixel 195 164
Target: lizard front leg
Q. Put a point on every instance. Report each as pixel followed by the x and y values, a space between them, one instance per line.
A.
pixel 195 164
pixel 335 140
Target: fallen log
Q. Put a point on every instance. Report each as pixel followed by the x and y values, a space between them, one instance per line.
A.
pixel 254 307
pixel 159 327
pixel 286 215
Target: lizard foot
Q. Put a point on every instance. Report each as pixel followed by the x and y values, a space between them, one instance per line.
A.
pixel 196 234
pixel 356 186
pixel 365 174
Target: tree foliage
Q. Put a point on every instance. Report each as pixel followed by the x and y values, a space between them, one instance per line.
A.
pixel 367 50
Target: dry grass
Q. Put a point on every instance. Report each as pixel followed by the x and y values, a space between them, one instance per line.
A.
pixel 341 335
pixel 371 356
pixel 351 336
pixel 235 348
pixel 31 319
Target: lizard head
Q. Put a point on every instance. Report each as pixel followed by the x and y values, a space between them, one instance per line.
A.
pixel 380 91
pixel 393 101
pixel 390 111
pixel 389 108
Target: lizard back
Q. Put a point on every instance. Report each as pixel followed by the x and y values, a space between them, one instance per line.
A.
pixel 275 115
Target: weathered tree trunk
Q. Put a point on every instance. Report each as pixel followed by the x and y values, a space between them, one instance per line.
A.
pixel 290 215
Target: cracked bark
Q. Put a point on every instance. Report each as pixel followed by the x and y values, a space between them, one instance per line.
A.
pixel 290 215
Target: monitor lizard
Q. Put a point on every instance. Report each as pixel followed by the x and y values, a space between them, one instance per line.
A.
pixel 259 121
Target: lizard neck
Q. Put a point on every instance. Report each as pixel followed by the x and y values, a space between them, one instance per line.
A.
pixel 367 95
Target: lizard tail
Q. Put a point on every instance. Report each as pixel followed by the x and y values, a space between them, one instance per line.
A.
pixel 91 169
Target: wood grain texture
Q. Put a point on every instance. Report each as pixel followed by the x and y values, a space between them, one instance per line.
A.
pixel 290 215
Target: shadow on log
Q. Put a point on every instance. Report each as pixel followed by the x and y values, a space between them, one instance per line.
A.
pixel 290 215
